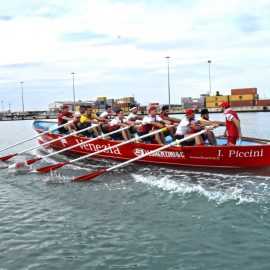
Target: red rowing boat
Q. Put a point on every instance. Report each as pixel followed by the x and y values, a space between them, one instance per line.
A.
pixel 251 153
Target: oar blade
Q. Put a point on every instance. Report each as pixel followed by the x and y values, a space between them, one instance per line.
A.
pixel 7 157
pixel 31 161
pixel 52 167
pixel 89 176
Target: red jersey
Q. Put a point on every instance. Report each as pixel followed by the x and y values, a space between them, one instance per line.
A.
pixel 62 121
pixel 230 125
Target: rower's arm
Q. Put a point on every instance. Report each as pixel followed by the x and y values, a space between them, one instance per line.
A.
pixel 67 118
pixel 204 122
pixel 238 126
pixel 173 119
pixel 90 121
pixel 166 121
pixel 157 124
pixel 101 119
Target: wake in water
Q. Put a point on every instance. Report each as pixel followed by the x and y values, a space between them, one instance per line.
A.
pixel 220 188
pixel 56 179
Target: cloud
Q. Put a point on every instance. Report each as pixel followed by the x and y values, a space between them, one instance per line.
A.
pixel 81 36
pixel 118 47
pixel 248 23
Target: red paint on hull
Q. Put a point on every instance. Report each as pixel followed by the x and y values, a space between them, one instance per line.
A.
pixel 202 156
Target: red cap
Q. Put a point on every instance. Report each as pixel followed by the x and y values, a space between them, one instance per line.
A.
pixel 65 107
pixel 189 112
pixel 224 104
pixel 152 108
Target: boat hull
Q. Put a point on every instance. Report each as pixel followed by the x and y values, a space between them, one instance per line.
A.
pixel 199 156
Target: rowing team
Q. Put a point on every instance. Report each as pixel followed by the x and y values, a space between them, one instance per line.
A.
pixel 109 121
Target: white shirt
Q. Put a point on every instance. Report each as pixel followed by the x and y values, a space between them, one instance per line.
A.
pixel 116 120
pixel 104 114
pixel 131 117
pixel 183 127
pixel 148 119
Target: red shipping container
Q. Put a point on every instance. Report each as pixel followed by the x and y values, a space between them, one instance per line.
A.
pixel 242 103
pixel 243 91
pixel 263 102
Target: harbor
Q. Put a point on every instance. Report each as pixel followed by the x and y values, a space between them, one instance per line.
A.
pixel 241 100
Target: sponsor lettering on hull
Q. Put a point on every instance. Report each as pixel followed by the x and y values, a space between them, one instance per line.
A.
pixel 161 154
pixel 243 154
pixel 96 147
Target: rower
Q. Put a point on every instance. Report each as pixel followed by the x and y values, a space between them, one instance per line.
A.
pixel 89 118
pixel 152 122
pixel 107 114
pixel 187 126
pixel 173 121
pixel 204 120
pixel 165 115
pixel 78 117
pixel 134 119
pixel 233 126
pixel 118 122
pixel 63 117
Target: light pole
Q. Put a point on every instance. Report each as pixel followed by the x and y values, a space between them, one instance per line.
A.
pixel 3 106
pixel 9 106
pixel 22 96
pixel 72 73
pixel 169 90
pixel 209 62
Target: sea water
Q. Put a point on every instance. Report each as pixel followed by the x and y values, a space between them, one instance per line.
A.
pixel 137 217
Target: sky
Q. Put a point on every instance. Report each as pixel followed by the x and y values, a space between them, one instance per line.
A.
pixel 119 48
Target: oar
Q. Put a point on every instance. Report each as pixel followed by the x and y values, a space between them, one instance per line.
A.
pixel 59 165
pixel 92 175
pixel 44 144
pixel 31 161
pixel 48 131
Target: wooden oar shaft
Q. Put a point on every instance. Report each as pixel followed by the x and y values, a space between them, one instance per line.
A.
pixel 120 144
pixel 85 142
pixel 156 150
pixel 29 139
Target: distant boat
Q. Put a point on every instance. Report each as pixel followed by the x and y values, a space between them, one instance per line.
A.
pixel 251 153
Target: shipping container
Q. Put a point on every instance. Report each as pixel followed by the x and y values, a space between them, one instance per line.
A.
pixel 243 97
pixel 211 104
pixel 262 102
pixel 128 99
pixel 242 103
pixel 116 105
pixel 217 99
pixel 244 91
pixel 119 101
pixel 101 99
pixel 99 102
